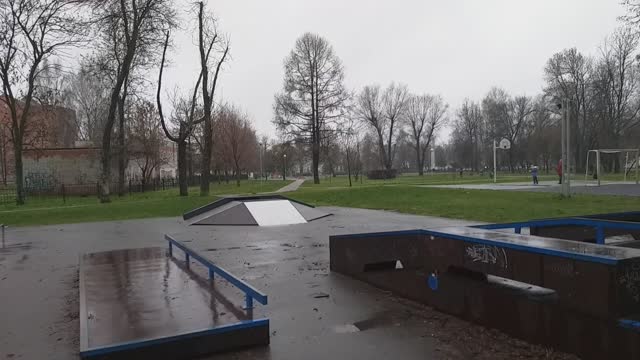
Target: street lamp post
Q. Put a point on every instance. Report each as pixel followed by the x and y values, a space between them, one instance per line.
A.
pixel 284 173
pixel 260 154
pixel 565 111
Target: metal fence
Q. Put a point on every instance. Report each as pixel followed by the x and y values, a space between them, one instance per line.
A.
pixel 62 191
pixel 49 190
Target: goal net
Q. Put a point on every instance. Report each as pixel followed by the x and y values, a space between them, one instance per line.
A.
pixel 612 165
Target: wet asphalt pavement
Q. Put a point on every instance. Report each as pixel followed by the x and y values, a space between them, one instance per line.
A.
pixel 314 314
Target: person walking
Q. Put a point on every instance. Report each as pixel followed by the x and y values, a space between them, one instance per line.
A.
pixel 559 171
pixel 534 174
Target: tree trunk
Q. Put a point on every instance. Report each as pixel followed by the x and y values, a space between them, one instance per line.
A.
pixel 3 158
pixel 389 159
pixel 20 193
pixel 237 175
pixel 419 163
pixel 122 163
pixel 182 168
pixel 349 167
pixel 206 157
pixel 105 159
pixel 383 154
pixel 315 160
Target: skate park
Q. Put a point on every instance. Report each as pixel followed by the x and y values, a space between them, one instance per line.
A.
pixel 288 291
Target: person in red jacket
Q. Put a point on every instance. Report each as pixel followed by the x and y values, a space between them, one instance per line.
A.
pixel 559 170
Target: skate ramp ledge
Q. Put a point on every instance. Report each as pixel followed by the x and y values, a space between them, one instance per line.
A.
pixel 604 254
pixel 145 304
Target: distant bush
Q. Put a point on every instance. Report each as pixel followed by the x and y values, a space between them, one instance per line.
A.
pixel 382 174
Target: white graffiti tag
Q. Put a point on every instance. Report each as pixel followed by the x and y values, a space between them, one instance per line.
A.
pixel 630 279
pixel 486 254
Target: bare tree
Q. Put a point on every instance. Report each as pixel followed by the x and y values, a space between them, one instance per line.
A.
pixel 383 111
pixel 5 135
pixel 127 29
pixel 542 136
pixel 350 143
pixel 369 110
pixel 89 96
pixel 236 138
pixel 425 115
pixel 185 116
pixel 209 40
pixel 30 32
pixel 568 76
pixel 146 140
pixel 617 86
pixel 467 128
pixel 313 95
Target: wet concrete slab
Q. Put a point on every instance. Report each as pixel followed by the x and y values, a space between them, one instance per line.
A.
pixel 140 300
pixel 351 320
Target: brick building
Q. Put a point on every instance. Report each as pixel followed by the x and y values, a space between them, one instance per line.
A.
pixel 47 169
pixel 47 127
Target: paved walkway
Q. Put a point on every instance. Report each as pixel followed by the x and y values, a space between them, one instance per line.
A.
pixel 291 187
pixel 577 187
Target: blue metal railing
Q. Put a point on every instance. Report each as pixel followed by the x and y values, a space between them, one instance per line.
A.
pixel 250 292
pixel 599 225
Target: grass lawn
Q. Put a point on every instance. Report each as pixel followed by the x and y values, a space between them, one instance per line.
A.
pixel 42 211
pixel 480 205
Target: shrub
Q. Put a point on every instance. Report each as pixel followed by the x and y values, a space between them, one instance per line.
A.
pixel 382 174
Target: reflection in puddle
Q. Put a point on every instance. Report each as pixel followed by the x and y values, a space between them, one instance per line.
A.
pixel 346 329
pixel 14 248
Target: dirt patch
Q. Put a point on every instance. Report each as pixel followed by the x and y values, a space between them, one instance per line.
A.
pixel 459 339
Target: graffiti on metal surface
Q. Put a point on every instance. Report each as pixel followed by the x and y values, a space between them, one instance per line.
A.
pixel 486 254
pixel 630 278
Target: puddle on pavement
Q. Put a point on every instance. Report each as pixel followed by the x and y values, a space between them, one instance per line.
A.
pixel 346 329
pixel 220 249
pixel 380 319
pixel 14 248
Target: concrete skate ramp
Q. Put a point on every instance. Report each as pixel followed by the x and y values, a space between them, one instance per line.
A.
pixel 144 304
pixel 265 210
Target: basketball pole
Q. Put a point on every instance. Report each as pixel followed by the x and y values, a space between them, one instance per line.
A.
pixel 495 176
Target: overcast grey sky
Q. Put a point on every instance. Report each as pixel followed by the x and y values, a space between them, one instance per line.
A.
pixel 456 48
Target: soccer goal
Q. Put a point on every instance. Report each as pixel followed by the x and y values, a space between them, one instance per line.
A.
pixel 628 158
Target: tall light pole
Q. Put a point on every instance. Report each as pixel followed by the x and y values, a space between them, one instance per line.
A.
pixel 433 160
pixel 260 154
pixel 284 173
pixel 565 111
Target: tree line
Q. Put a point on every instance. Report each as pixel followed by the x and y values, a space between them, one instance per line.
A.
pixel 316 110
pixel 389 128
pixel 129 43
pixel 604 93
pixel 122 107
